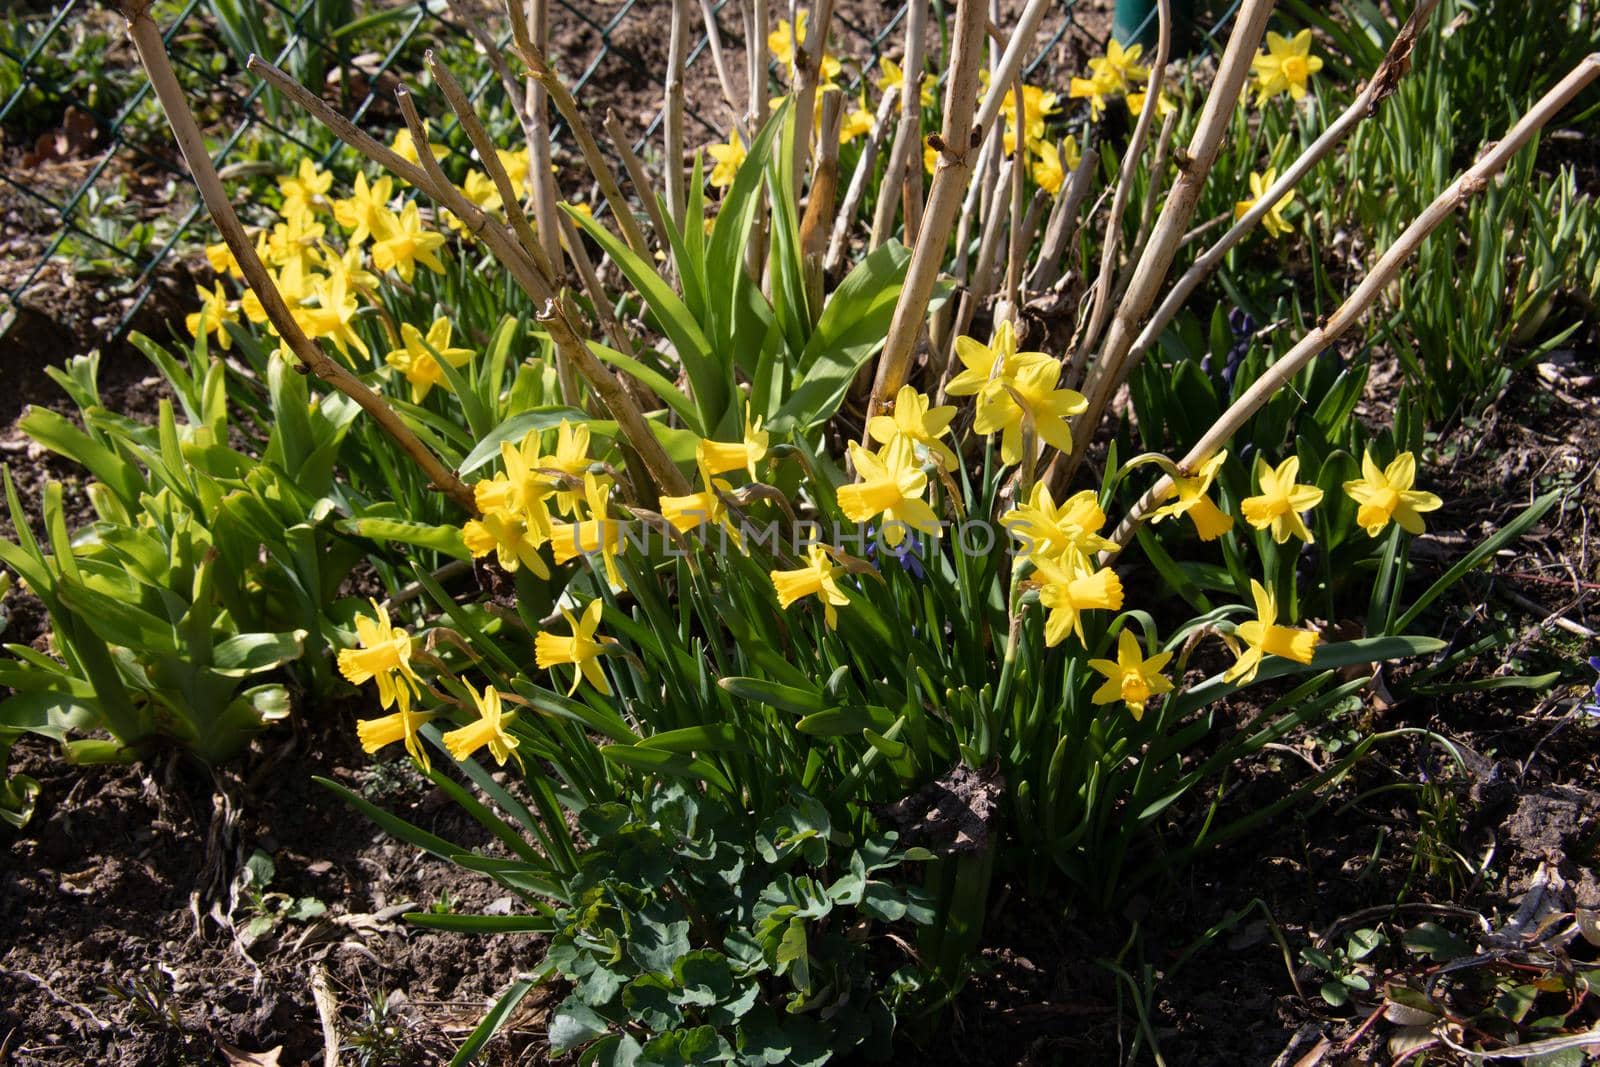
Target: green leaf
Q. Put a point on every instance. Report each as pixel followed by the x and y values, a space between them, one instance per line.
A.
pixel 393 824
pixel 656 382
pixel 515 429
pixel 710 378
pixel 445 540
pixel 674 764
pixel 492 1022
pixel 1488 547
pixel 481 924
pixel 715 737
pixel 249 653
pixel 852 327
pixel 782 697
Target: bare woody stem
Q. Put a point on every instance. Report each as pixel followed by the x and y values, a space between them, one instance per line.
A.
pixel 956 148
pixel 672 124
pixel 1119 203
pixel 909 130
pixel 153 54
pixel 593 158
pixel 1193 167
pixel 1470 183
pixel 808 76
pixel 1381 85
pixel 540 171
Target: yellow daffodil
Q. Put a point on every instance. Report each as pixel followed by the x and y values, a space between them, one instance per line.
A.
pixel 213 317
pixel 857 123
pixel 1193 499
pixel 719 457
pixel 930 158
pixel 889 484
pixel 401 725
pixel 480 189
pixel 987 363
pixel 1013 388
pixel 407 245
pixel 1130 677
pixel 293 244
pixel 1387 494
pixel 1097 90
pixel 728 159
pixel 819 577
pixel 1111 75
pixel 418 358
pixel 351 267
pixel 1050 170
pixel 1165 105
pixel 1273 221
pixel 306 190
pixel 582 648
pixel 524 487
pixel 1070 531
pixel 404 147
pixel 489 729
pixel 334 316
pixel 1281 501
pixel 598 533
pixel 1069 589
pixel 1037 105
pixel 384 657
pixel 1285 67
pixel 785 41
pixel 915 420
pixel 570 458
pixel 366 212
pixel 781 42
pixel 1263 637
pixel 1031 398
pixel 702 509
pixel 892 79
pixel 518 167
pixel 508 535
pixel 220 256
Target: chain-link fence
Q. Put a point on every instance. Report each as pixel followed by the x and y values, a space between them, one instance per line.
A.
pixel 94 199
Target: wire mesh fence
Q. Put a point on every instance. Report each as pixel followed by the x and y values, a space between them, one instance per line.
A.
pixel 93 193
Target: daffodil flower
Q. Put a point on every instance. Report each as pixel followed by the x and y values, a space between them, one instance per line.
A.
pixel 857 122
pixel 1273 221
pixel 719 457
pixel 417 359
pixel 306 190
pixel 384 657
pixel 523 487
pixel 334 316
pixel 401 725
pixel 1068 590
pixel 892 79
pixel 1193 499
pixel 1029 398
pixel 728 157
pixel 518 167
pixel 1263 637
pixel 1387 494
pixel 220 256
pixel 1130 677
pixel 705 508
pixel 597 533
pixel 408 245
pixel 489 729
pixel 213 317
pixel 818 578
pixel 508 536
pixel 1281 501
pixel 1113 74
pixel 406 148
pixel 1285 67
pixel 570 458
pixel 1068 532
pixel 366 212
pixel 915 420
pixel 889 484
pixel 582 648
pixel 1050 170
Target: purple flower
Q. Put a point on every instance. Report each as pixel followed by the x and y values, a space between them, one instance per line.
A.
pixel 1592 708
pixel 905 553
